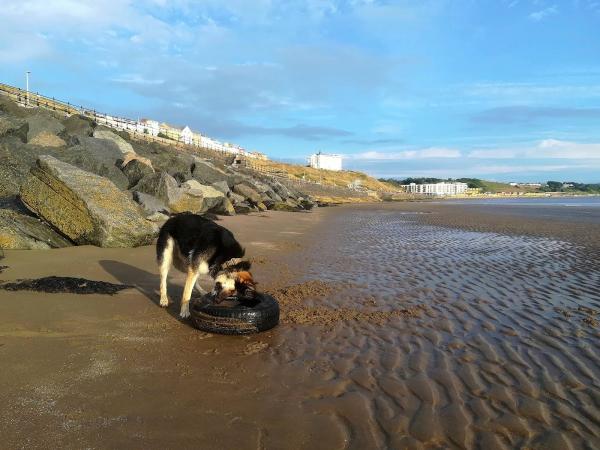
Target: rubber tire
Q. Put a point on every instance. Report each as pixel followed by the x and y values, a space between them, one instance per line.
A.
pixel 243 318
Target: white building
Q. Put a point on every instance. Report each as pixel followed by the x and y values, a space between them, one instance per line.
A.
pixel 117 122
pixel 186 136
pixel 443 188
pixel 324 161
pixel 147 126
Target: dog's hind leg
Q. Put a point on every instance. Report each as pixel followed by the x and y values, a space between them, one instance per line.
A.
pixel 165 260
pixel 190 280
pixel 202 270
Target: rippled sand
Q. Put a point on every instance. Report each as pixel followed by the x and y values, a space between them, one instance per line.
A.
pixel 506 352
pixel 401 328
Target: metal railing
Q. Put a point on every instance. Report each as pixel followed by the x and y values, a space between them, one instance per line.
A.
pixel 168 137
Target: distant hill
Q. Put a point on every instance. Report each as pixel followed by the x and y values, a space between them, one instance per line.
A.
pixel 485 186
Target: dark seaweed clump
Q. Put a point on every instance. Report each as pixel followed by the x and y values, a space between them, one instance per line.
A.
pixel 69 285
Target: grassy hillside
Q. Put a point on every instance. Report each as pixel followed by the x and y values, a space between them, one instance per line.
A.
pixel 327 177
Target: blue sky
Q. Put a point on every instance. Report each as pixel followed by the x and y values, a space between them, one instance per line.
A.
pixel 498 89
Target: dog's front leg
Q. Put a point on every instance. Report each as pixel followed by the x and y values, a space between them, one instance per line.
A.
pixel 165 261
pixel 190 280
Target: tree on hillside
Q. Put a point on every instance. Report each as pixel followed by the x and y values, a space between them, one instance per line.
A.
pixel 554 186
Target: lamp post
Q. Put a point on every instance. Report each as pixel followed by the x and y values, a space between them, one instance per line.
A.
pixel 27 85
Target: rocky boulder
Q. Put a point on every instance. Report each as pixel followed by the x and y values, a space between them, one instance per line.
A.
pixel 284 206
pixel 16 159
pixel 160 185
pixel 11 126
pixel 247 192
pixel 236 198
pixel 213 200
pixel 20 231
pixel 123 146
pixel 78 125
pixel 9 107
pixel 244 208
pixel 99 156
pixel 46 139
pixel 43 123
pixel 135 170
pixel 207 173
pixel 221 186
pixel 150 204
pixel 85 207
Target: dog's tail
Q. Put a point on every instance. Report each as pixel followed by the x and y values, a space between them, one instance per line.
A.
pixel 161 243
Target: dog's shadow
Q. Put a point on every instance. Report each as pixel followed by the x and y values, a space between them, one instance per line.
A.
pixel 146 283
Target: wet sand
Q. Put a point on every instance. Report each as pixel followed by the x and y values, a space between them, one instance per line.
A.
pixel 403 326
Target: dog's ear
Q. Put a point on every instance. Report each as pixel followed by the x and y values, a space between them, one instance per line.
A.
pixel 245 278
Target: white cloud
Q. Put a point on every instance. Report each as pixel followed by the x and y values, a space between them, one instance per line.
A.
pixel 537 16
pixel 546 149
pixel 553 148
pixel 132 78
pixel 431 152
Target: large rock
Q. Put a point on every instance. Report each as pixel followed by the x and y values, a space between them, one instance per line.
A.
pixel 213 200
pixel 164 187
pixel 16 159
pixel 47 139
pixel 221 186
pixel 160 185
pixel 20 231
pixel 150 204
pixel 78 125
pixel 207 173
pixel 99 156
pixel 244 208
pixel 280 189
pixel 247 192
pixel 123 146
pixel 9 107
pixel 236 198
pixel 42 122
pixel 12 126
pixel 86 208
pixel 284 206
pixel 135 170
pixel 178 166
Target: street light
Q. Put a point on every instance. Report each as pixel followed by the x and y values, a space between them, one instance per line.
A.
pixel 27 85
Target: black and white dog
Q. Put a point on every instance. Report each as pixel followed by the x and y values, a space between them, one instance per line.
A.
pixel 198 246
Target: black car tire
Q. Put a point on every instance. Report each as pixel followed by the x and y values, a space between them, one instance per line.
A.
pixel 241 317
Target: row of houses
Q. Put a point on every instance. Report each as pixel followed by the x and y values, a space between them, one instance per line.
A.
pixel 180 134
pixel 436 189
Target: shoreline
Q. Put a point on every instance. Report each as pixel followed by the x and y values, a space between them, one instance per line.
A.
pixel 581 227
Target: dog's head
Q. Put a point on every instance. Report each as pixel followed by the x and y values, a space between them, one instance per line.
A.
pixel 235 280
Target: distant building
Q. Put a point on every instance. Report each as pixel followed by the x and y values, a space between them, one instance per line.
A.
pixel 186 136
pixel 536 185
pixel 443 188
pixel 183 134
pixel 147 126
pixel 324 161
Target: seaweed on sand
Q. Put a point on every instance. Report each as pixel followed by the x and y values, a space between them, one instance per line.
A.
pixel 68 285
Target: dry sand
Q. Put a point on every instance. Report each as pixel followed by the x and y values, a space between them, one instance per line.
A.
pixel 401 328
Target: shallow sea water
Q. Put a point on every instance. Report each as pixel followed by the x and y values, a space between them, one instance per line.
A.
pixel 504 354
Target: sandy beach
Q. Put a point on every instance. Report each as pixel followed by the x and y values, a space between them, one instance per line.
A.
pixel 405 325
